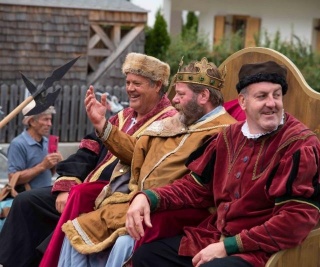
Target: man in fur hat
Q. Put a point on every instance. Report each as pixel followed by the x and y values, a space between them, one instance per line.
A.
pixel 262 175
pixel 35 213
pixel 157 158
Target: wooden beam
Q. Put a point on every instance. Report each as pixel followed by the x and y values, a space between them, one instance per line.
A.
pixel 116 34
pixel 93 41
pixel 93 63
pixel 105 64
pixel 99 52
pixel 105 39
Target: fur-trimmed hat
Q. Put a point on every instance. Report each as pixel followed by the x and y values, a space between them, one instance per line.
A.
pixel 31 105
pixel 147 66
pixel 268 71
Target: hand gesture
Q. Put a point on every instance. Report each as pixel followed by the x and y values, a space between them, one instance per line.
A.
pixel 139 210
pixel 51 160
pixel 96 110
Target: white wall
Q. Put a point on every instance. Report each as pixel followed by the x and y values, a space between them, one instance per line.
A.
pixel 287 16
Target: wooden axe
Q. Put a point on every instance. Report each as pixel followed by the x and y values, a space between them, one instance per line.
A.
pixel 42 98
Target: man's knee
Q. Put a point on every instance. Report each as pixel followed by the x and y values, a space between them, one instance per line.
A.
pixel 125 240
pixel 27 198
pixel 26 195
pixel 142 254
pixel 229 261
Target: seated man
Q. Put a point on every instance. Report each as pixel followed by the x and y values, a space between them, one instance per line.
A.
pixel 35 213
pixel 158 159
pixel 262 175
pixel 28 153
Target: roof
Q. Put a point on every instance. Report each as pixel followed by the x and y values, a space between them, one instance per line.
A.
pixel 106 5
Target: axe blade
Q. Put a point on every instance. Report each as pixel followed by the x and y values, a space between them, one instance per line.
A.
pixel 44 102
pixel 43 99
pixel 57 74
pixel 30 86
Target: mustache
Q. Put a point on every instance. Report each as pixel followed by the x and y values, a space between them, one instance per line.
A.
pixel 178 107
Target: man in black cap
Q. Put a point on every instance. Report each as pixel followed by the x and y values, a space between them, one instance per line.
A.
pixel 262 175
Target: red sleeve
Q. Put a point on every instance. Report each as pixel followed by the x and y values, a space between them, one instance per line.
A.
pixel 295 190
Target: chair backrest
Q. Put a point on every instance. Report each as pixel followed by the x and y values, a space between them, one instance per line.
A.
pixel 301 100
pixel 306 254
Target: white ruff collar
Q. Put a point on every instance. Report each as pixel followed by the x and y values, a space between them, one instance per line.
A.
pixel 246 132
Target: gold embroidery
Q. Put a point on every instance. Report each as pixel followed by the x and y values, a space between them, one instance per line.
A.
pixel 255 175
pixel 232 162
pixel 239 243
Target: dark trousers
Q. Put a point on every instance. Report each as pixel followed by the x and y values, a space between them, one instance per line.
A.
pixel 164 252
pixel 31 219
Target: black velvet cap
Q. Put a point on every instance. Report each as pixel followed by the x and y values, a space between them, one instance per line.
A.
pixel 268 71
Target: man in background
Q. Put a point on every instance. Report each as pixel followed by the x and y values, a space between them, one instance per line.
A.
pixel 28 154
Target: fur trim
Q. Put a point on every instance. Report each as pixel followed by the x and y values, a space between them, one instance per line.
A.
pixel 147 66
pixel 79 245
pixel 269 71
pixel 263 77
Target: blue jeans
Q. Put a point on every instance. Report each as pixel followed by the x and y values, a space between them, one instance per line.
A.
pixel 117 256
pixel 4 204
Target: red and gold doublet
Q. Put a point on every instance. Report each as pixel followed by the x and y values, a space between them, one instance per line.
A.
pixel 265 190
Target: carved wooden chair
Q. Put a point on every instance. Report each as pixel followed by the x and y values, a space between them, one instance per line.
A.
pixel 302 102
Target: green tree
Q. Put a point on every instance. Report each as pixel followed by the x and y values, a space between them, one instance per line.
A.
pixel 192 47
pixel 157 38
pixel 191 23
pixel 299 52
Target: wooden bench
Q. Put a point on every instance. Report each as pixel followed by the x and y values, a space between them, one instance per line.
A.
pixel 302 102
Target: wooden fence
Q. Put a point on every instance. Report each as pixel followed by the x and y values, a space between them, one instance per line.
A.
pixel 70 122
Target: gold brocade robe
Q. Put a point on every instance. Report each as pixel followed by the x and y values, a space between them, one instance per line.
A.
pixel 158 159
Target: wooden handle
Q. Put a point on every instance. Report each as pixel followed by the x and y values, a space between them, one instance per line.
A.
pixel 15 112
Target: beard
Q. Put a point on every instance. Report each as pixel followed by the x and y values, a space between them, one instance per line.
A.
pixel 190 113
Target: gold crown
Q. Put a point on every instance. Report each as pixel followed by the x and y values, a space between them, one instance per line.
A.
pixel 202 77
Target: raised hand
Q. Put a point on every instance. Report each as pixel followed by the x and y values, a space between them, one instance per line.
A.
pixel 96 110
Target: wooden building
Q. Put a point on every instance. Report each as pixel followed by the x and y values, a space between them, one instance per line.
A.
pixel 38 36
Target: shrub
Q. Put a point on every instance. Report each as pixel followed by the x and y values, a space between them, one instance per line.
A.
pixel 157 38
pixel 300 53
pixel 192 46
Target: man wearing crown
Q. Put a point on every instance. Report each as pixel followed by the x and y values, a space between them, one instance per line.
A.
pixel 158 159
